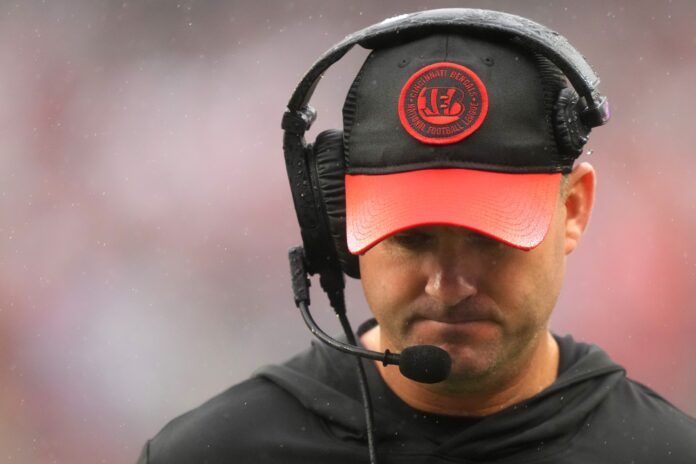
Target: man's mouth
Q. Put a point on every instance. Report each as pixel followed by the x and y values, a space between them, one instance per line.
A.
pixel 462 314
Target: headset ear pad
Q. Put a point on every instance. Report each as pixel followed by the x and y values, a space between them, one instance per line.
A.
pixel 571 133
pixel 330 175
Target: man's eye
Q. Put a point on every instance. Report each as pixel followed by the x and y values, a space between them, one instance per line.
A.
pixel 411 239
pixel 482 239
pixel 485 242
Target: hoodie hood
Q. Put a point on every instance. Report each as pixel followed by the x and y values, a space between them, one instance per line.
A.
pixel 325 382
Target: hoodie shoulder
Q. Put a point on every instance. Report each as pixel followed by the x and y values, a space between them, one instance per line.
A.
pixel 238 425
pixel 629 422
pixel 636 423
pixel 662 417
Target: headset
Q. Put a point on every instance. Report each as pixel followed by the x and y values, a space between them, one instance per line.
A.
pixel 316 170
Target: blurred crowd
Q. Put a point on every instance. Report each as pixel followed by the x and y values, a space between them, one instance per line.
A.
pixel 146 215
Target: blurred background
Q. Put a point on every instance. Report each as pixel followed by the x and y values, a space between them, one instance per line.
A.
pixel 146 214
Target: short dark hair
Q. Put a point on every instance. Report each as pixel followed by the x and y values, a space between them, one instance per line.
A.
pixel 563 191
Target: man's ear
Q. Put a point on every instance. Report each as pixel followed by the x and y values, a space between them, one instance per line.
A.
pixel 580 192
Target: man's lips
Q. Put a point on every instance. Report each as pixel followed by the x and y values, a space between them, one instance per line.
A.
pixel 460 314
pixel 462 320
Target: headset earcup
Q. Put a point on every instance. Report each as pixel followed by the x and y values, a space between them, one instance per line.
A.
pixel 330 175
pixel 571 134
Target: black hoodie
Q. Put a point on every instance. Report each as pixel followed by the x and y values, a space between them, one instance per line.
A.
pixel 308 410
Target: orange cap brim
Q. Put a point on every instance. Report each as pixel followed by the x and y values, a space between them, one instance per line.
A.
pixel 515 209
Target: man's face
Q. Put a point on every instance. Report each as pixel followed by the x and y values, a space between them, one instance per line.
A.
pixel 484 302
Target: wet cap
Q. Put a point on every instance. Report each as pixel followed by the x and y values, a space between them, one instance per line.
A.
pixel 456 130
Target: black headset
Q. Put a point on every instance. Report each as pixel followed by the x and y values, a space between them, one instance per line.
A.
pixel 316 171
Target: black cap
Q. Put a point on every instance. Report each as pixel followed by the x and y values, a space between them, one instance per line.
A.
pixel 452 129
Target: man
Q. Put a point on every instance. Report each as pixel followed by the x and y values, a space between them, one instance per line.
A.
pixel 462 201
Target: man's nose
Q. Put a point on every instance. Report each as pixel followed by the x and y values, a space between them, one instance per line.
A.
pixel 450 279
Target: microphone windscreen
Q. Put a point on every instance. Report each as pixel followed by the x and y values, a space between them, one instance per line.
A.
pixel 425 363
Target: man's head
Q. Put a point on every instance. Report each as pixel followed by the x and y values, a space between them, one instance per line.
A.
pixel 455 199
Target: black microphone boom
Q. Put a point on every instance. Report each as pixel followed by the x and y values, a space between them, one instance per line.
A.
pixel 422 363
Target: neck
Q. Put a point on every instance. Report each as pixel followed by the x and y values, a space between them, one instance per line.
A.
pixel 445 398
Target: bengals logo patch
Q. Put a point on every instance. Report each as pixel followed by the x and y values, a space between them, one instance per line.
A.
pixel 443 103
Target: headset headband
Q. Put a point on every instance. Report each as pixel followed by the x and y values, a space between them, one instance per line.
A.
pixel 538 38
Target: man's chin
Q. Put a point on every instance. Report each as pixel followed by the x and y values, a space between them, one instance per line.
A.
pixel 475 347
pixel 471 362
